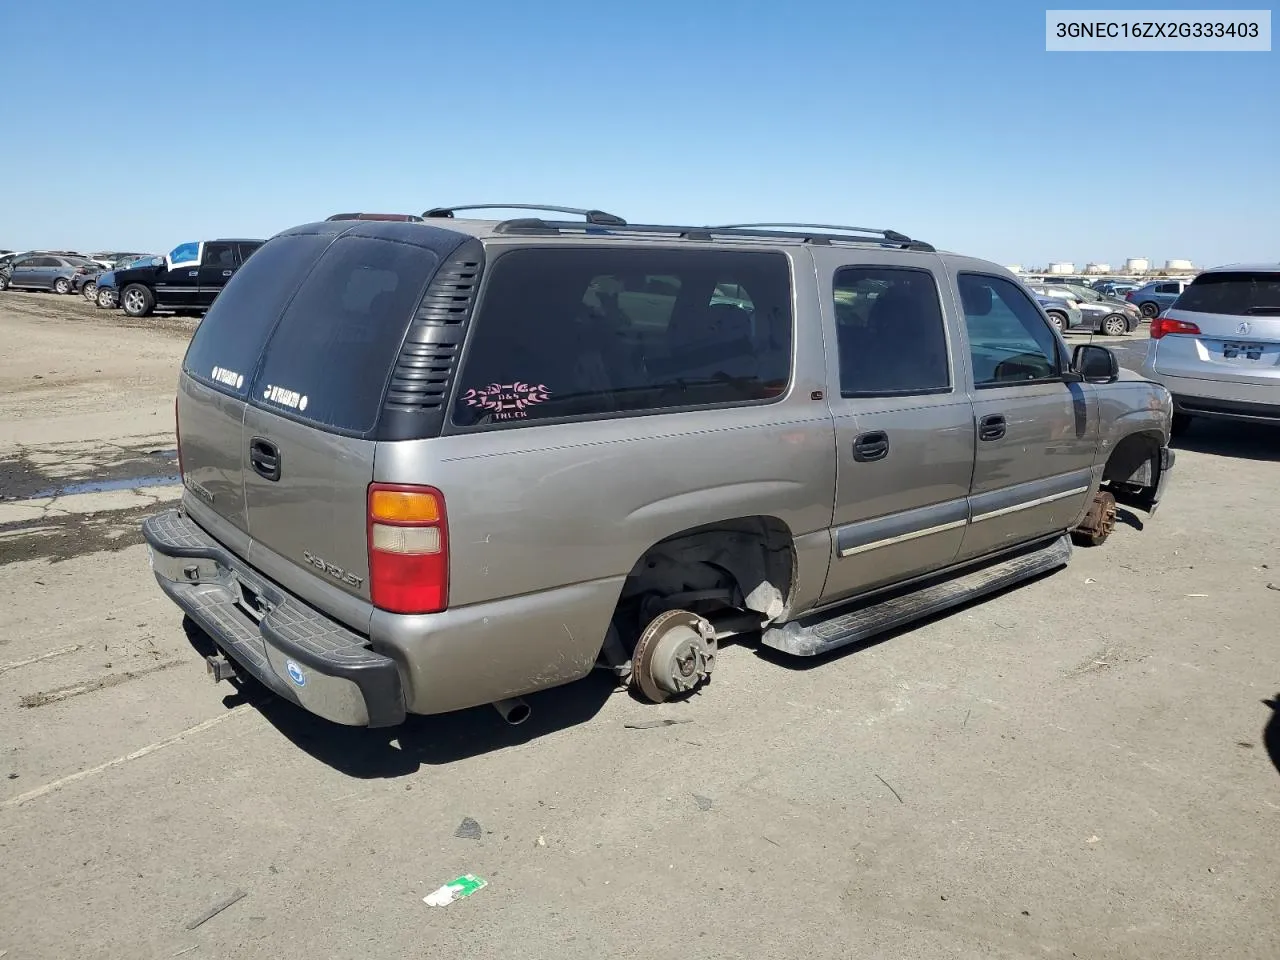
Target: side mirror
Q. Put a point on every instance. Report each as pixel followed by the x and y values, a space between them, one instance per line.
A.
pixel 1095 363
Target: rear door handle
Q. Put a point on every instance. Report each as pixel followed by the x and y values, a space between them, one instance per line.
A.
pixel 226 273
pixel 871 446
pixel 991 428
pixel 265 457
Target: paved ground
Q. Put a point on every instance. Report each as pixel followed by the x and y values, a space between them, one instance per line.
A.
pixel 1082 767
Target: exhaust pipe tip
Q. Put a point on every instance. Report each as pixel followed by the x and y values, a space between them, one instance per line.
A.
pixel 515 711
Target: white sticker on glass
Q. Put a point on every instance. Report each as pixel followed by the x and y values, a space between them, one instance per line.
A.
pixel 286 398
pixel 229 377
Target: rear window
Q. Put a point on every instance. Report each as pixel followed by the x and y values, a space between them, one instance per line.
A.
pixel 226 346
pixel 1242 294
pixel 331 355
pixel 611 331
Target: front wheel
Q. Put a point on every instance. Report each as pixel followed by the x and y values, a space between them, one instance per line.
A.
pixel 105 299
pixel 4 282
pixel 89 291
pixel 1115 326
pixel 62 285
pixel 1059 321
pixel 1150 310
pixel 137 300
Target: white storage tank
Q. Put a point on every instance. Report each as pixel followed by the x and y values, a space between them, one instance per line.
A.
pixel 1178 265
pixel 1062 267
pixel 1137 265
pixel 1014 267
pixel 1098 268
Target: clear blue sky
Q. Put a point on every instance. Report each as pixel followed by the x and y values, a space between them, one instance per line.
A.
pixel 140 125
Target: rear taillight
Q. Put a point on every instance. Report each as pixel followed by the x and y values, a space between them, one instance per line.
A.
pixel 1163 326
pixel 177 434
pixel 1129 295
pixel 408 548
pixel 81 271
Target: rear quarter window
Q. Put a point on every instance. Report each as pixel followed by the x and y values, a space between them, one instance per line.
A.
pixel 330 357
pixel 616 331
pixel 1243 294
pixel 229 341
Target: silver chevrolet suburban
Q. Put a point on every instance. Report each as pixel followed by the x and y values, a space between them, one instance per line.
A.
pixel 429 465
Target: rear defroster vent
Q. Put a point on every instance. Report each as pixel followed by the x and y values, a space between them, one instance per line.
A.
pixel 423 374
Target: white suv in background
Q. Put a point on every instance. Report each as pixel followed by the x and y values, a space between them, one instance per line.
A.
pixel 1217 348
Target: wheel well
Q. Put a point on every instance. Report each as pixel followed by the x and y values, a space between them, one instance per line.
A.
pixel 1135 461
pixel 744 565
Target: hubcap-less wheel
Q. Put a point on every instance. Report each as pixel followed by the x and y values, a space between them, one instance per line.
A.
pixel 1098 522
pixel 62 285
pixel 673 656
pixel 1150 310
pixel 1059 322
pixel 89 290
pixel 105 299
pixel 1115 327
pixel 134 302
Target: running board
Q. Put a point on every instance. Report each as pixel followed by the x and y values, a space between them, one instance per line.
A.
pixel 820 633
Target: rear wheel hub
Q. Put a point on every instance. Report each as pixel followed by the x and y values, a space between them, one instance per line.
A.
pixel 674 655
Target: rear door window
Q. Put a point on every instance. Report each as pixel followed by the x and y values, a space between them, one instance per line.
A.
pixel 219 255
pixel 613 331
pixel 331 355
pixel 890 332
pixel 227 344
pixel 1241 294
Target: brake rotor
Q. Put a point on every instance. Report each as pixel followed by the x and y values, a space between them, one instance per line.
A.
pixel 1098 522
pixel 673 656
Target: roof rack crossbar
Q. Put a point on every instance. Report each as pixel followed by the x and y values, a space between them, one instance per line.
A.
pixel 591 216
pixel 887 234
pixel 746 232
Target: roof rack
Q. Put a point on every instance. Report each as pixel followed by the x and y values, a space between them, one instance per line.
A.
pixel 819 236
pixel 399 217
pixel 591 216
pixel 893 235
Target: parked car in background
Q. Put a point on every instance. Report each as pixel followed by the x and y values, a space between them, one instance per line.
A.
pixel 87 276
pixel 1217 347
pixel 104 294
pixel 1094 302
pixel 1063 314
pixel 186 280
pixel 1155 296
pixel 47 272
pixel 1115 288
pixel 1098 315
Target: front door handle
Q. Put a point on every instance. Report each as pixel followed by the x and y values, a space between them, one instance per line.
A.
pixel 991 428
pixel 871 446
pixel 265 458
pixel 193 273
pixel 226 273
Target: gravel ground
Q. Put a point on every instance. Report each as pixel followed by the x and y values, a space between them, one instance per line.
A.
pixel 1085 766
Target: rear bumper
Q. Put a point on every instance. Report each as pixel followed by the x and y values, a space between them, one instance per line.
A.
pixel 1227 399
pixel 1227 409
pixel 296 651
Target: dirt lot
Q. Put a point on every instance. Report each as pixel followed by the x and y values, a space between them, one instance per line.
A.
pixel 1085 766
